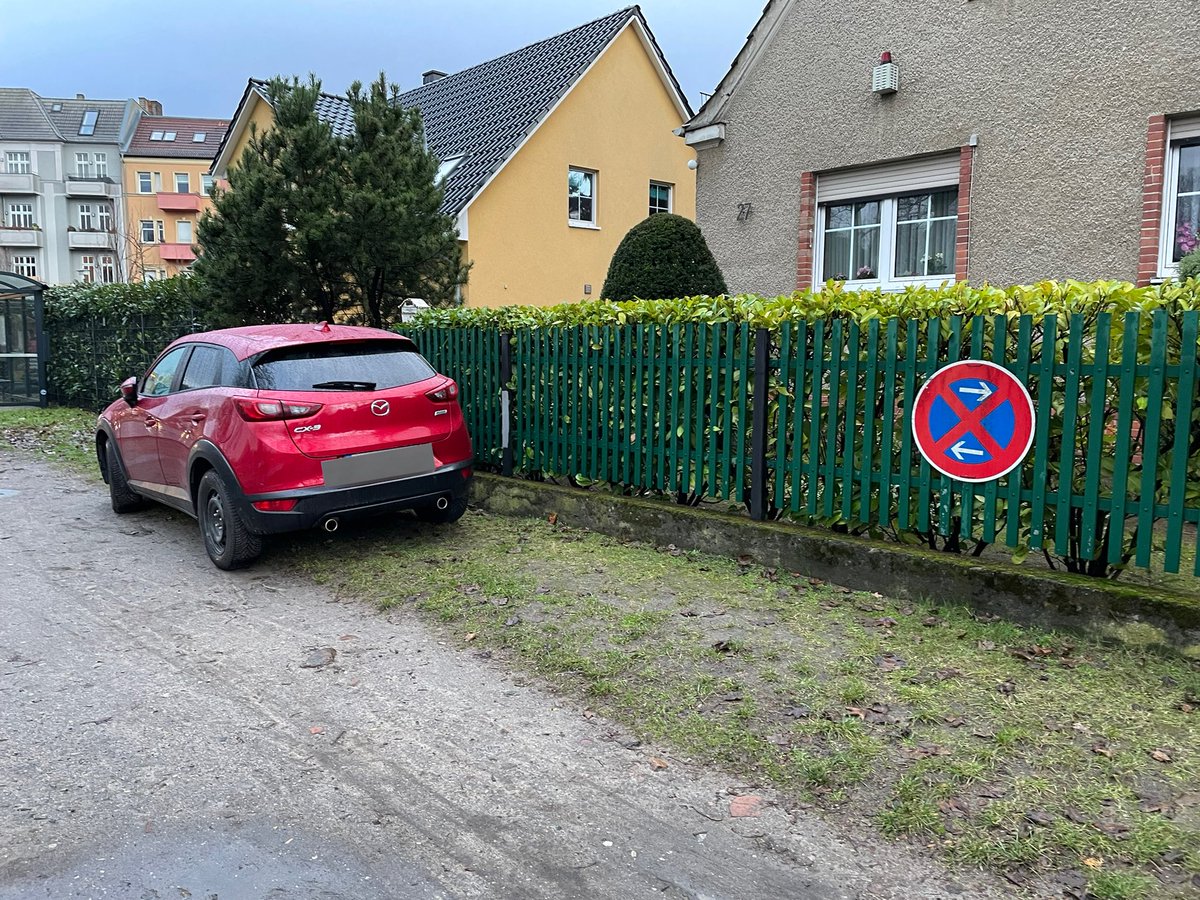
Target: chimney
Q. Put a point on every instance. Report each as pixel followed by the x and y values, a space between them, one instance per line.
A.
pixel 431 76
pixel 80 97
pixel 150 107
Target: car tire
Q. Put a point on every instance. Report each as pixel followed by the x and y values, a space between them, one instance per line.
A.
pixel 124 498
pixel 452 513
pixel 229 543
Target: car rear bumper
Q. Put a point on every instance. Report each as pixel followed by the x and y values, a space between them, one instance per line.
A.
pixel 315 505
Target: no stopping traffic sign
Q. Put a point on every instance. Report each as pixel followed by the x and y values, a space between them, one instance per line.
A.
pixel 973 421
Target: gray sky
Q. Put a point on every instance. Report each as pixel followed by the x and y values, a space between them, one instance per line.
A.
pixel 196 57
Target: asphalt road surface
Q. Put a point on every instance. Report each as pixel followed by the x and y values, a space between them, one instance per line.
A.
pixel 161 739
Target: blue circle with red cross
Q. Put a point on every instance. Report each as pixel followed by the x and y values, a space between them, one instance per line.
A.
pixel 973 421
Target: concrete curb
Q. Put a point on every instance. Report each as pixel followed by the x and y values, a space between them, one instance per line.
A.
pixel 1132 614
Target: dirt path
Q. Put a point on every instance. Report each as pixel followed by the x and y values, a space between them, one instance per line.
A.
pixel 161 738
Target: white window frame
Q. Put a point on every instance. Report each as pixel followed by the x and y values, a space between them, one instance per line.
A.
pixel 25 265
pixel 885 278
pixel 670 197
pixel 146 226
pixel 179 238
pixel 16 162
pixel 83 165
pixel 87 218
pixel 593 222
pixel 161 229
pixel 207 183
pixel 104 217
pixel 87 269
pixel 100 161
pixel 108 270
pixel 1167 267
pixel 19 215
pixel 145 183
pixel 187 183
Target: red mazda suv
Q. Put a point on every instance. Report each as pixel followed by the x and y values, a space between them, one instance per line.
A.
pixel 266 429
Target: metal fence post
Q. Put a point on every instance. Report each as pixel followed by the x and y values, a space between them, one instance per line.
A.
pixel 506 406
pixel 758 425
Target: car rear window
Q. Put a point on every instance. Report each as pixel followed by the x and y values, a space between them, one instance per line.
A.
pixel 364 365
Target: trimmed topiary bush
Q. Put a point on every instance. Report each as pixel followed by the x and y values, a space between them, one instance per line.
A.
pixel 663 256
pixel 1189 266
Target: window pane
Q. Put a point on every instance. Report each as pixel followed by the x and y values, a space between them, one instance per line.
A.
pixel 203 369
pixel 1189 169
pixel 158 381
pixel 302 368
pixel 910 248
pixel 1187 226
pixel 944 203
pixel 941 247
pixel 837 256
pixel 839 216
pixel 915 206
pixel 866 253
pixel 866 213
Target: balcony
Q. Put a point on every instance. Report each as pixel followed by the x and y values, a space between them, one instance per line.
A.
pixel 20 237
pixel 180 253
pixel 168 202
pixel 80 186
pixel 19 184
pixel 90 240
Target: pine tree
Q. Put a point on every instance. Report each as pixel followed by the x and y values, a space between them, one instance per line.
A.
pixel 317 226
pixel 662 257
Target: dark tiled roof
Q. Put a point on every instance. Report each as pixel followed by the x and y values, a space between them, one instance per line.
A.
pixel 22 117
pixel 184 146
pixel 67 120
pixel 484 113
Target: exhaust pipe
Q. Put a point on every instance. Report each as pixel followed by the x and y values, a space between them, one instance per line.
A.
pixel 331 524
pixel 442 503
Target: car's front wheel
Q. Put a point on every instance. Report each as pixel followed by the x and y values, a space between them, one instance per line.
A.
pixel 124 499
pixel 229 543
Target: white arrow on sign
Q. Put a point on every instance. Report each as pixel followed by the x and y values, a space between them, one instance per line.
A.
pixel 982 392
pixel 960 448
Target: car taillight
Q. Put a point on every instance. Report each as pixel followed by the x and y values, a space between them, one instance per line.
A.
pixel 275 505
pixel 444 394
pixel 273 410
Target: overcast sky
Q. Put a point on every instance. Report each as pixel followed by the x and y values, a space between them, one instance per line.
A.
pixel 196 57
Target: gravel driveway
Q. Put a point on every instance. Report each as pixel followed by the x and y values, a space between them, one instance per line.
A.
pixel 168 730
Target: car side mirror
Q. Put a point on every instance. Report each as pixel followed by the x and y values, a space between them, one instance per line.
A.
pixel 129 391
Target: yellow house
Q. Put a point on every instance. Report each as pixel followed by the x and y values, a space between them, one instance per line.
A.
pixel 550 154
pixel 167 187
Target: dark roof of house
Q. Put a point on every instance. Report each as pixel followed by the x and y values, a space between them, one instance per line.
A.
pixel 483 113
pixel 25 115
pixel 67 117
pixel 151 137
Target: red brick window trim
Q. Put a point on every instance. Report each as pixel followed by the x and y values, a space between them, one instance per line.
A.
pixel 1150 237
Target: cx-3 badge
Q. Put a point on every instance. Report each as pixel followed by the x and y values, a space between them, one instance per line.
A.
pixel 380 407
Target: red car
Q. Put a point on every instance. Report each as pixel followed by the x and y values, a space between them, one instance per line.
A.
pixel 266 429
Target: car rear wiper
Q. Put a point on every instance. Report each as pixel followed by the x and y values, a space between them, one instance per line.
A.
pixel 345 385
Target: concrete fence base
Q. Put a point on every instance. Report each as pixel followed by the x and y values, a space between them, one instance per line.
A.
pixel 1132 614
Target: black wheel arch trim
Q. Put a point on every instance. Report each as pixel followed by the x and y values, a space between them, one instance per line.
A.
pixel 208 452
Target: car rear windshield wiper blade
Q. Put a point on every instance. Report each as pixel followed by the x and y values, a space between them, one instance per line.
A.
pixel 345 385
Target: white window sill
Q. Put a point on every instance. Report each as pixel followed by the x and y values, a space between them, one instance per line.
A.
pixel 588 225
pixel 893 287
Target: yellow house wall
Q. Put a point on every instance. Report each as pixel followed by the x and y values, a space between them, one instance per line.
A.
pixel 618 120
pixel 262 117
pixel 139 256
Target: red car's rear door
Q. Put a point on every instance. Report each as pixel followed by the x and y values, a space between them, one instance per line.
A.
pixel 185 414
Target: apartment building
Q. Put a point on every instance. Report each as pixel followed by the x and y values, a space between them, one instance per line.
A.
pixel 60 185
pixel 167 188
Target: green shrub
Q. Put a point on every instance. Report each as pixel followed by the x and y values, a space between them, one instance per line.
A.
pixel 1189 266
pixel 100 334
pixel 663 256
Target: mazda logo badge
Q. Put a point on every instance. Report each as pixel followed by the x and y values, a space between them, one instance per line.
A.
pixel 381 407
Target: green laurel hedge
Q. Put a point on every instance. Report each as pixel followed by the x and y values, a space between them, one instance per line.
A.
pixel 833 301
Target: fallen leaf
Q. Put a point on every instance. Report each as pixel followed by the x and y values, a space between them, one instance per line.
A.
pixel 316 729
pixel 724 646
pixel 1160 755
pixel 471 635
pixel 1114 830
pixel 745 560
pixel 955 721
pixel 798 712
pixel 552 518
pixel 884 622
pixel 1076 816
pixel 1039 818
pixel 733 697
pixel 1102 750
pixel 985 645
pixel 1007 688
pixel 931 621
pixel 1094 862
pixel 656 763
pixel 889 662
pixel 510 622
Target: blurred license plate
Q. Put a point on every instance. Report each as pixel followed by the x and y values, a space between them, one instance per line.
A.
pixel 381 465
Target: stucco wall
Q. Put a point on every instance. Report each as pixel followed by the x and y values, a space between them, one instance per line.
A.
pixel 617 120
pixel 1059 93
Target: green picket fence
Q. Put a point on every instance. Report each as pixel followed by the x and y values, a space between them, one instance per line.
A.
pixel 811 421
